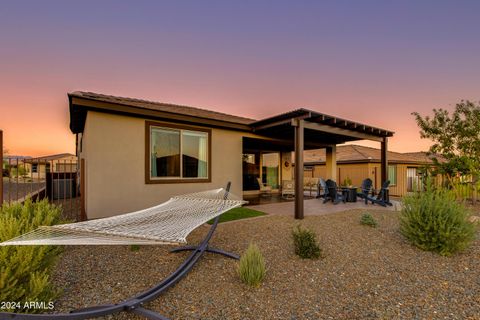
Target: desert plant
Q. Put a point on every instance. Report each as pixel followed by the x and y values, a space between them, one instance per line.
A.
pixel 251 267
pixel 134 247
pixel 24 270
pixel 434 221
pixel 305 241
pixel 368 220
pixel 347 182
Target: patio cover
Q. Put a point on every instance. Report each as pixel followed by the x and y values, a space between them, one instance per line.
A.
pixel 304 129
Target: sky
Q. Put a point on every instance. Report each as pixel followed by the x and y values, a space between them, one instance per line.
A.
pixel 373 62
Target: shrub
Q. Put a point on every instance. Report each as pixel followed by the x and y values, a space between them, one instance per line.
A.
pixel 251 267
pixel 24 270
pixel 368 220
pixel 305 242
pixel 347 182
pixel 434 221
pixel 134 247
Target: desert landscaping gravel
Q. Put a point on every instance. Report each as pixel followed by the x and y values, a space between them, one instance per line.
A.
pixel 367 273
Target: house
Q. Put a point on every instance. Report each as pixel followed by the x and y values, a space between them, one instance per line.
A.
pixel 37 168
pixel 355 163
pixel 135 154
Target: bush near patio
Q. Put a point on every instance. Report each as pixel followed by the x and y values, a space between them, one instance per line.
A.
pixel 24 270
pixel 251 267
pixel 305 241
pixel 368 220
pixel 434 220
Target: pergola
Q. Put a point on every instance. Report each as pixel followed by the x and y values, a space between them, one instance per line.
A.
pixel 306 129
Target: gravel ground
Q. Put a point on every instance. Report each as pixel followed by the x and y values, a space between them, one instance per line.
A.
pixel 366 274
pixel 70 208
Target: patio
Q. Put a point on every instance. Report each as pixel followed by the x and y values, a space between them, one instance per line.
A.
pixel 314 207
pixel 276 154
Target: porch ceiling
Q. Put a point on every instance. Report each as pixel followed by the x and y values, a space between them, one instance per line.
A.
pixel 283 141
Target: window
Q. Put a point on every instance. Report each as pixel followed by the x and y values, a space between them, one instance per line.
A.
pixel 34 167
pixel 270 169
pixel 392 174
pixel 177 153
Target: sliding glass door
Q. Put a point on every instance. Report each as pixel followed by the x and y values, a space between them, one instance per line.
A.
pixel 271 169
pixel 251 171
pixel 264 166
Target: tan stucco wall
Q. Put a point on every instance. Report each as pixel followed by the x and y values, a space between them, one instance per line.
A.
pixel 287 171
pixel 114 153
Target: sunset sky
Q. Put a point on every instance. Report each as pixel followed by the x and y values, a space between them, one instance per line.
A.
pixel 369 61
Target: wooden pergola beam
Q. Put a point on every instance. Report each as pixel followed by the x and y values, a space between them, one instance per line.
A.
pixel 341 131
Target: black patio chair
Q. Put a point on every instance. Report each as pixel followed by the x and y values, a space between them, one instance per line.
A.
pixel 332 193
pixel 366 189
pixel 322 187
pixel 382 198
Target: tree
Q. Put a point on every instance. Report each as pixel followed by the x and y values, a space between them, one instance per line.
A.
pixel 456 137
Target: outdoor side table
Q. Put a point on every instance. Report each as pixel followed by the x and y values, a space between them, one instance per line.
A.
pixel 350 194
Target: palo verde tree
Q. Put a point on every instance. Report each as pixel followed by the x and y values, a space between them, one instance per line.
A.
pixel 456 137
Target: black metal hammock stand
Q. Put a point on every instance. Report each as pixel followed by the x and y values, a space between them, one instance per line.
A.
pixel 136 304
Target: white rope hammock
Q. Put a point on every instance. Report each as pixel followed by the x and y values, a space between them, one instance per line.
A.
pixel 167 223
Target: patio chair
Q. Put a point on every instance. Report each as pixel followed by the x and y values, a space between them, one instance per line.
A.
pixel 332 193
pixel 288 188
pixel 322 189
pixel 264 189
pixel 382 197
pixel 366 188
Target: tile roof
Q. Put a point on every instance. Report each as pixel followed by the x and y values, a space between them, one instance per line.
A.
pixel 161 106
pixel 356 153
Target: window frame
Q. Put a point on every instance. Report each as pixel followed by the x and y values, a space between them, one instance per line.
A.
pixel 180 127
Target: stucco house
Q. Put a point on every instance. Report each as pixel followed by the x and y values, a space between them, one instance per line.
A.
pixel 37 168
pixel 134 153
pixel 355 163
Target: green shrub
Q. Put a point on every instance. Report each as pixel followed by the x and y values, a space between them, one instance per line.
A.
pixel 305 242
pixel 434 221
pixel 134 247
pixel 368 220
pixel 251 267
pixel 24 270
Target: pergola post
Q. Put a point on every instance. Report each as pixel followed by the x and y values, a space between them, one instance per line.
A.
pixel 299 146
pixel 331 162
pixel 384 160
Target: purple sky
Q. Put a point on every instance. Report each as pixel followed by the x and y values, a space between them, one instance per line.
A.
pixel 369 61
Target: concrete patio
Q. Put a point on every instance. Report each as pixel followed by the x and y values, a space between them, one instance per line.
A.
pixel 315 207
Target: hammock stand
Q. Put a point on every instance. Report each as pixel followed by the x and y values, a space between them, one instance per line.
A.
pixel 135 304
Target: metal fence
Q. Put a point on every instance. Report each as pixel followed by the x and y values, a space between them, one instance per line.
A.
pixel 37 178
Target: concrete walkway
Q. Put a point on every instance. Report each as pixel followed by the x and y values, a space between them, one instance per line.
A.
pixel 313 207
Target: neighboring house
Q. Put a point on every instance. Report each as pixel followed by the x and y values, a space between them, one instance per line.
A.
pixel 135 154
pixel 356 163
pixel 37 168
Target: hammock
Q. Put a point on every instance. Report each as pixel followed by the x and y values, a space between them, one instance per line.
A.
pixel 167 223
pixel 163 224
